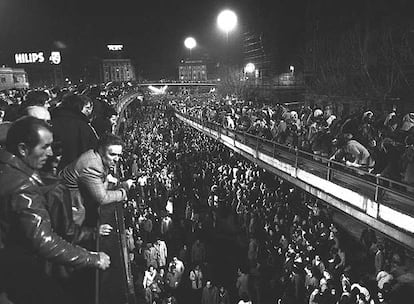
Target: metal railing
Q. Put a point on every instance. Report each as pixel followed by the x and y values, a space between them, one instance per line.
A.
pixel 378 188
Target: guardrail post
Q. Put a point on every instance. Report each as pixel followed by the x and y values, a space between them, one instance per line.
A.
pixel 377 195
pixel 296 157
pixel 328 174
pixel 377 189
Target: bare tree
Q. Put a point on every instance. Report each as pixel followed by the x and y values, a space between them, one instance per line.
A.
pixel 364 60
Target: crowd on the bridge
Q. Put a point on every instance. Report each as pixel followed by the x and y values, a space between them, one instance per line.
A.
pixel 183 194
pixel 293 250
pixel 381 143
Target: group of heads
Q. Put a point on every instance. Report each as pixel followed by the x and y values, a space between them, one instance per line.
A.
pixel 31 139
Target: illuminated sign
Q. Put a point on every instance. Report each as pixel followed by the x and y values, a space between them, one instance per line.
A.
pixel 55 58
pixel 38 57
pixel 29 58
pixel 115 47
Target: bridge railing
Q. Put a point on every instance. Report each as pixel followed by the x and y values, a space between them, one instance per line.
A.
pixel 377 188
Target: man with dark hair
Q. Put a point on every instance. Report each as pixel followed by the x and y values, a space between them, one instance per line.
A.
pixel 103 123
pixel 87 179
pixel 35 104
pixel 26 134
pixel 26 237
pixel 36 98
pixel 72 128
pixel 209 294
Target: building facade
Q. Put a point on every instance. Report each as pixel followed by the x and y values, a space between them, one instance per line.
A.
pixel 12 78
pixel 117 70
pixel 192 71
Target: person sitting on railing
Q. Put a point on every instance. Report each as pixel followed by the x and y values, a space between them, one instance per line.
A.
pixel 352 149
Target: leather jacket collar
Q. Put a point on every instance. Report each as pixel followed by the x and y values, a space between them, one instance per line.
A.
pixel 13 161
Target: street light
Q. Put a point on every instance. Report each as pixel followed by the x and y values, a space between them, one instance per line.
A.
pixel 190 43
pixel 249 68
pixel 227 21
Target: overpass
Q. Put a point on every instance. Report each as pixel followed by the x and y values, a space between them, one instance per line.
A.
pixel 177 84
pixel 264 86
pixel 363 196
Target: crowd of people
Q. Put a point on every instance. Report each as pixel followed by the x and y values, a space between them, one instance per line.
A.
pixel 54 165
pixel 381 143
pixel 289 254
pixel 203 225
pixel 168 257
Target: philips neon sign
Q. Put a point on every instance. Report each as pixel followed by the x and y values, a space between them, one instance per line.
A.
pixel 37 57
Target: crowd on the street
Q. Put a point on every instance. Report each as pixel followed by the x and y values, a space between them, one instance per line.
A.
pixel 168 256
pixel 381 143
pixel 293 251
pixel 203 225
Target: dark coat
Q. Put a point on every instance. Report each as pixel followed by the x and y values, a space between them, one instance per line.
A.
pixel 27 238
pixel 25 225
pixel 74 132
pixel 209 295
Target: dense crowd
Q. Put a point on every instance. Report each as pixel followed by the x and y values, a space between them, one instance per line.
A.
pixel 168 256
pixel 202 224
pixel 381 143
pixel 57 148
pixel 293 250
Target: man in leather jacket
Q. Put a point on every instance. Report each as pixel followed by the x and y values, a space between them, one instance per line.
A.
pixel 26 236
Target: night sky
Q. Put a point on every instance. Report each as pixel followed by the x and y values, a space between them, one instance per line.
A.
pixel 152 32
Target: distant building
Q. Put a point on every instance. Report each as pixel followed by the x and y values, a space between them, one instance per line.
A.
pixel 12 78
pixel 258 52
pixel 192 70
pixel 117 70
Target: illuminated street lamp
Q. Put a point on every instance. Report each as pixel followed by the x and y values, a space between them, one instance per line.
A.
pixel 190 43
pixel 249 68
pixel 227 21
pixel 292 69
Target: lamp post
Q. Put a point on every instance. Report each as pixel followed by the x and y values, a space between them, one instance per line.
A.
pixel 190 43
pixel 227 21
pixel 250 69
